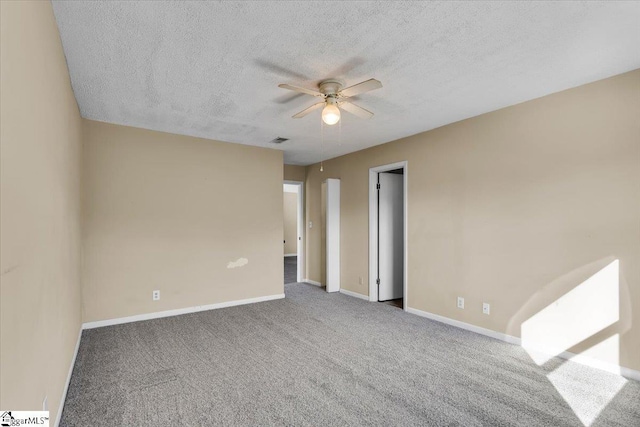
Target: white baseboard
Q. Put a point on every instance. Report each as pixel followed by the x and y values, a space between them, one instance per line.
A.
pixel 312 282
pixel 286 255
pixel 583 360
pixel 176 312
pixel 66 384
pixel 468 326
pixel 354 294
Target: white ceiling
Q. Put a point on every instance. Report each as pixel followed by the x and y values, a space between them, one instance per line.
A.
pixel 212 69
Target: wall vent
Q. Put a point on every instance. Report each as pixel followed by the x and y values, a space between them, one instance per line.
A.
pixel 278 140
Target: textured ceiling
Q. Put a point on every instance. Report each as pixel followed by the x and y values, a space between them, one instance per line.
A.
pixel 212 69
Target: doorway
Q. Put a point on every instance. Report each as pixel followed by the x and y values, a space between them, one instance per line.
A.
pixel 388 234
pixel 293 231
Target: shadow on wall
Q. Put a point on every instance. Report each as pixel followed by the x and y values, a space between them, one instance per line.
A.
pixel 587 320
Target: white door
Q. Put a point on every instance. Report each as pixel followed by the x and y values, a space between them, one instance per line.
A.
pixel 390 236
pixel 333 235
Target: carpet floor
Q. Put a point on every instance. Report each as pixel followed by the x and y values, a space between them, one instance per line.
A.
pixel 328 360
pixel 290 269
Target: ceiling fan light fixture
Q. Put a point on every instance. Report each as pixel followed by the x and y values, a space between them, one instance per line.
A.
pixel 331 114
pixel 333 94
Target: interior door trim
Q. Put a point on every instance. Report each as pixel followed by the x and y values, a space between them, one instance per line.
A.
pixel 373 229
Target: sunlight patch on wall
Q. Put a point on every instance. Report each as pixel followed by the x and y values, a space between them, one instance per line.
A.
pixel 606 354
pixel 240 262
pixel 582 312
pixel 588 395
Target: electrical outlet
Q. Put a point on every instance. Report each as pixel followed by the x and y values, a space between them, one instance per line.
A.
pixel 45 404
pixel 310 224
pixel 360 280
pixel 156 295
pixel 486 308
pixel 460 302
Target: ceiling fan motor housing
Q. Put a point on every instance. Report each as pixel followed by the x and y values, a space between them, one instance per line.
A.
pixel 330 87
pixel 331 100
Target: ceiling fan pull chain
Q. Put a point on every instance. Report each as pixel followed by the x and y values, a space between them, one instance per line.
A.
pixel 321 145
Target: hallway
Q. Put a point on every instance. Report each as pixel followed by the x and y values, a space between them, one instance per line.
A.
pixel 290 269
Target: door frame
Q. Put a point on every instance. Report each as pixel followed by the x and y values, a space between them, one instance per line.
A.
pixel 373 228
pixel 300 226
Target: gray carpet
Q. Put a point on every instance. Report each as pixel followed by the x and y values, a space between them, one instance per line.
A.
pixel 290 269
pixel 328 359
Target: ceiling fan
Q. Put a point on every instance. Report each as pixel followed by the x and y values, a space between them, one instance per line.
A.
pixel 335 98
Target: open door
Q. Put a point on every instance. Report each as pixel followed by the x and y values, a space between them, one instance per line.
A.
pixel 331 199
pixel 390 236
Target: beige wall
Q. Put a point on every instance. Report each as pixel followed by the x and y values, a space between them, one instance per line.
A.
pixel 170 212
pixel 39 209
pixel 290 223
pixel 516 208
pixel 294 173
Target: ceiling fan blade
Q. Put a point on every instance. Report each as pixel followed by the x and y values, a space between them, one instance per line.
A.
pixel 366 86
pixel 308 110
pixel 300 89
pixel 355 110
